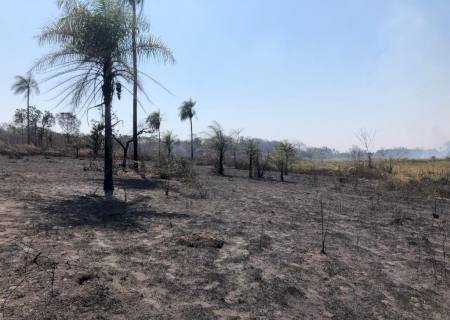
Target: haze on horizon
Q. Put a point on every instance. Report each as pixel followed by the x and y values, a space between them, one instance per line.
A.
pixel 301 70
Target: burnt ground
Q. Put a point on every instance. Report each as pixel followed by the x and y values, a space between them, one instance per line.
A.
pixel 216 248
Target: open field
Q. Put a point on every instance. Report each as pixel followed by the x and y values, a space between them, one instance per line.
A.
pixel 430 177
pixel 217 247
pixel 403 169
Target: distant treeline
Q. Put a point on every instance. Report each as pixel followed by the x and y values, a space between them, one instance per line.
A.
pixel 69 138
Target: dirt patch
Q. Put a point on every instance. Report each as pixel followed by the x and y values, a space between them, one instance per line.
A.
pixel 200 241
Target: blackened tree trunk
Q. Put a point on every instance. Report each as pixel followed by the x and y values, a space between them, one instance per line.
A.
pixel 108 184
pixel 125 147
pixel 221 156
pixel 192 141
pixel 159 147
pixel 35 131
pixel 250 166
pixel 282 171
pixel 286 169
pixel 125 155
pixel 28 117
pixel 135 86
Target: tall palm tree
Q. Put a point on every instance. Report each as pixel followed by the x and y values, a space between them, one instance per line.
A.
pixel 26 85
pixel 134 30
pixel 93 60
pixel 154 122
pixel 187 112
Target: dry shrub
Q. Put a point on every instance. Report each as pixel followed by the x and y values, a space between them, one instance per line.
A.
pixel 18 150
pixel 178 168
pixel 367 173
pixel 240 164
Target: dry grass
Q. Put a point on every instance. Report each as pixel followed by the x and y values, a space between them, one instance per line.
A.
pixel 24 150
pixel 18 150
pixel 427 176
pixel 407 170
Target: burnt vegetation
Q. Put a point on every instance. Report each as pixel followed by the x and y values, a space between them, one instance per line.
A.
pixel 110 224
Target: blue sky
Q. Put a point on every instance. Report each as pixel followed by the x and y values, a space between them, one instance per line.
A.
pixel 309 71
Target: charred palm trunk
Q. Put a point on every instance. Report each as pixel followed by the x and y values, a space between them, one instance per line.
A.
pixel 221 156
pixel 159 147
pixel 282 171
pixel 108 185
pixel 250 166
pixel 125 156
pixel 35 131
pixel 28 117
pixel 135 86
pixel 192 142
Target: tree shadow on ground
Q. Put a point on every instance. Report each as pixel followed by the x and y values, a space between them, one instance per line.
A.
pixel 138 183
pixel 135 183
pixel 100 213
pixel 268 178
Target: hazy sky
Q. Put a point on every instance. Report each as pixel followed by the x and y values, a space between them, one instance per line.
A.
pixel 310 71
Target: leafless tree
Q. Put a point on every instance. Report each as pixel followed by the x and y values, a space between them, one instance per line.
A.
pixel 69 124
pixel 280 160
pixel 125 141
pixel 366 138
pixel 252 153
pixel 236 139
pixel 262 161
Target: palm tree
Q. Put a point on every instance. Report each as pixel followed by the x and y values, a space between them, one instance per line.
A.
pixel 219 142
pixel 134 31
pixel 154 122
pixel 187 112
pixel 169 141
pixel 95 48
pixel 26 85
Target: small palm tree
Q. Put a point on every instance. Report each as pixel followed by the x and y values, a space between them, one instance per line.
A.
pixel 95 49
pixel 219 142
pixel 169 141
pixel 187 112
pixel 26 85
pixel 154 122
